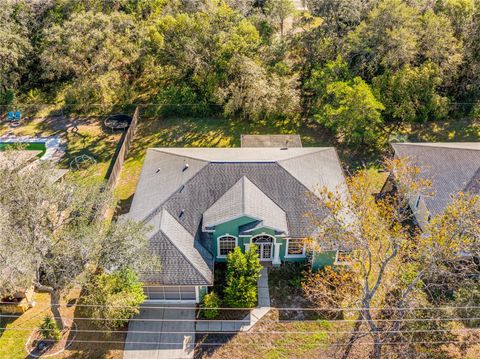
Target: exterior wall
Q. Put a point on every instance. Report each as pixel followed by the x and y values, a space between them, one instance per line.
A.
pixel 231 228
pixel 322 259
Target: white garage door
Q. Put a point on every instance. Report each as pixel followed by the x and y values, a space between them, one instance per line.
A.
pixel 174 293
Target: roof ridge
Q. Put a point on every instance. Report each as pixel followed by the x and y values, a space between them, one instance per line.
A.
pixel 320 149
pixel 162 150
pixel 160 206
pixel 179 250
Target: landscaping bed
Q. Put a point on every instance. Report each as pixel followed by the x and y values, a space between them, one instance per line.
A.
pixel 219 283
pixel 284 283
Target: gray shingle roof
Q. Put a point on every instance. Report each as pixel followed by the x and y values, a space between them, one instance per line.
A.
pixel 279 179
pixel 452 168
pixel 245 199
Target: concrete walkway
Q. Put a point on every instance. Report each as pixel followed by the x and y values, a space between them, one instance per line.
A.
pixel 161 335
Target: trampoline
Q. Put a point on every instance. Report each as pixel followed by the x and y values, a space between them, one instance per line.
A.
pixel 118 122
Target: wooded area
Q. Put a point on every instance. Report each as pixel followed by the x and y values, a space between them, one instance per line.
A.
pixel 361 69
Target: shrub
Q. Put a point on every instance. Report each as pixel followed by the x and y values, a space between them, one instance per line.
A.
pixel 116 296
pixel 243 271
pixel 49 330
pixel 330 287
pixel 210 303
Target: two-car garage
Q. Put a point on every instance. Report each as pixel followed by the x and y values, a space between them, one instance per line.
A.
pixel 171 293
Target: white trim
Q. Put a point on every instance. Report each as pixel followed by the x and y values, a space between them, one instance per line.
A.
pixel 218 243
pixel 263 234
pixel 197 294
pixel 295 255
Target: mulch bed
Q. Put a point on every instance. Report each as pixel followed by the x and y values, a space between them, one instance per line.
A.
pixel 39 347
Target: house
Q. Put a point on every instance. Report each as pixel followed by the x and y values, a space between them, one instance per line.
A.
pixel 201 203
pixel 451 168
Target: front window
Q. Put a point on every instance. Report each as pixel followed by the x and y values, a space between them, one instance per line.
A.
pixel 226 244
pixel 296 247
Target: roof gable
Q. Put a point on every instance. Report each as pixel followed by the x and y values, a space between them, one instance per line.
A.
pixel 246 199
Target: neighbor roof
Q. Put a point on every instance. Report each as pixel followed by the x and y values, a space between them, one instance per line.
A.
pixel 189 188
pixel 451 167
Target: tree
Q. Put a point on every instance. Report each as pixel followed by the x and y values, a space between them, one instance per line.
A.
pixel 254 94
pixel 388 38
pixel 198 49
pixel 95 52
pixel 243 271
pixel 411 94
pixel 115 297
pixel 391 258
pixel 352 112
pixel 340 16
pixel 460 13
pixel 53 234
pixel 279 11
pixel 15 47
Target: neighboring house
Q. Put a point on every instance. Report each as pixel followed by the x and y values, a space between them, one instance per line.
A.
pixel 204 202
pixel 451 167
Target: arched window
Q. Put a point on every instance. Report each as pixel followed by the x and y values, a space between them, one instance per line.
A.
pixel 226 244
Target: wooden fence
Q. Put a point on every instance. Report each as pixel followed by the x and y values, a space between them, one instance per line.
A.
pixel 122 151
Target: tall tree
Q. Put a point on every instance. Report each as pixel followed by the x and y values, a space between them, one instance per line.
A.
pixel 15 47
pixel 53 234
pixel 94 52
pixel 391 258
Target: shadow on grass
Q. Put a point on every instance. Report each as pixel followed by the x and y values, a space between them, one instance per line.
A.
pixel 88 344
pixel 4 321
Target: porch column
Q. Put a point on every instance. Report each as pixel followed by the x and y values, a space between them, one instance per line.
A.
pixel 276 254
pixel 247 246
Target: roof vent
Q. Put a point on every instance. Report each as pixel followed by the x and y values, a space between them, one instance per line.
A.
pixel 158 170
pixel 286 145
pixel 181 188
pixel 182 212
pixel 185 167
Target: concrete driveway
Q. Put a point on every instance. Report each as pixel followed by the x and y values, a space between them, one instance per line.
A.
pixel 149 338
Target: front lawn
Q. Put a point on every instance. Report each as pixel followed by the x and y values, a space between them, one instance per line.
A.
pixel 272 340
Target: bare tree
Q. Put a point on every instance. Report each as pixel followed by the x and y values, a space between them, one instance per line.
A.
pixel 391 257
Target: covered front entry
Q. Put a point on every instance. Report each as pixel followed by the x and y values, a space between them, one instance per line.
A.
pixel 264 245
pixel 170 293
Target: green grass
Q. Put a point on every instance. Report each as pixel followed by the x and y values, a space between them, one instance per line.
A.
pixel 12 342
pixel 463 130
pixel 30 146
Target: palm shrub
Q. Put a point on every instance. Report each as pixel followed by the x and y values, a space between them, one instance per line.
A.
pixel 243 271
pixel 116 297
pixel 49 330
pixel 210 304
